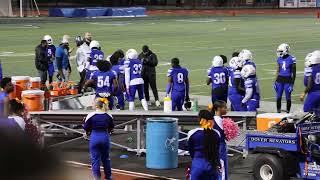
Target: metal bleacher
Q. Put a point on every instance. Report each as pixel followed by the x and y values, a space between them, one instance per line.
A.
pixel 70 121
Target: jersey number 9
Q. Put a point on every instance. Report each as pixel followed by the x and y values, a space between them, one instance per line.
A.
pixel 103 82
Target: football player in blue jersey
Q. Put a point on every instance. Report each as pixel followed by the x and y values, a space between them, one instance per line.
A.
pixel 105 81
pixel 118 68
pixel 285 75
pixel 51 51
pixel 252 92
pixel 236 89
pixel 178 85
pixel 95 56
pixel 312 83
pixel 218 76
pixel 246 57
pixel 133 79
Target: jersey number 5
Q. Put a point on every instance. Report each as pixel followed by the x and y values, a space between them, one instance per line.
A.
pixel 103 82
pixel 219 78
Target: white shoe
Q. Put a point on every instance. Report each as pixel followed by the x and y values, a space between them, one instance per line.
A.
pixel 149 103
pixel 158 104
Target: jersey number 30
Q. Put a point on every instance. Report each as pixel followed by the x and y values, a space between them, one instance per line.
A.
pixel 103 82
pixel 219 78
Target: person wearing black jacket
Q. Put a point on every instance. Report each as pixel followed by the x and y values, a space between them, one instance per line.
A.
pixel 150 61
pixel 41 61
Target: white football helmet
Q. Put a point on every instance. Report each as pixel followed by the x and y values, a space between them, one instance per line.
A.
pixel 94 44
pixel 48 38
pixel 235 63
pixel 131 54
pixel 248 70
pixel 283 49
pixel 245 54
pixel 217 61
pixel 312 58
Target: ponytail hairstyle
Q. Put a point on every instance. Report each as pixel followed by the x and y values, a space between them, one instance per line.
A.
pixel 211 143
pixel 102 104
pixel 219 104
pixel 16 107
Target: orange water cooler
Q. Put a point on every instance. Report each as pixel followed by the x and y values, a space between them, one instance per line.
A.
pixel 35 83
pixel 33 100
pixel 20 83
pixel 267 120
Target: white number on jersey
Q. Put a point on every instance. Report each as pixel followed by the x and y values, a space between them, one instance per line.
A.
pixel 137 68
pixel 103 82
pixel 98 57
pixel 219 78
pixel 49 52
pixel 317 79
pixel 284 66
pixel 180 78
pixel 230 83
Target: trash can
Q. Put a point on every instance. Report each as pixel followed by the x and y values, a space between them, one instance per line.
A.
pixel 162 143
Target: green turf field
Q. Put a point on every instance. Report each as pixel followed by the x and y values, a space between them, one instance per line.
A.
pixel 195 40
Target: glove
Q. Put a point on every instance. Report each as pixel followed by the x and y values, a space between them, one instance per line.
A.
pixel 290 88
pixel 243 105
pixel 275 86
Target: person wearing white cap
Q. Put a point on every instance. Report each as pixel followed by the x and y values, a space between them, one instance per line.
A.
pixel 62 59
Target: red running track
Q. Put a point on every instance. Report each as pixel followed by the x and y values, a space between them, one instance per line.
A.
pixel 82 171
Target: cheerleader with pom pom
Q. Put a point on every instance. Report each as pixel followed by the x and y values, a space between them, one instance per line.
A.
pixel 203 146
pixel 220 108
pixel 227 129
pixel 98 125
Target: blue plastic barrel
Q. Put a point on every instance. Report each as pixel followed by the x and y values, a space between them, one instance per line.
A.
pixel 162 143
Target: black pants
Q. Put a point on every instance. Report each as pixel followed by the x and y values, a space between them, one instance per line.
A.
pixel 150 78
pixel 82 80
pixel 43 76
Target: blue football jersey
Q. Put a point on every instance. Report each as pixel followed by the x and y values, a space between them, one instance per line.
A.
pixel 314 72
pixel 51 52
pixel 234 74
pixel 219 76
pixel 286 65
pixel 104 81
pixel 179 77
pixel 118 69
pixel 250 62
pixel 95 56
pixel 135 66
pixel 253 83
